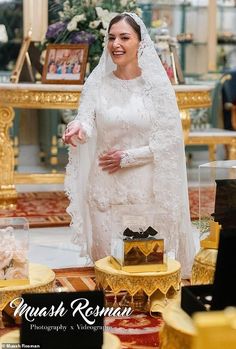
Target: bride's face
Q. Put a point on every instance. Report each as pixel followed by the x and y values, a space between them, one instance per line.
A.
pixel 123 44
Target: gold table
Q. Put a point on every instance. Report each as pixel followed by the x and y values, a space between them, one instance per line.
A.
pixel 212 138
pixel 203 269
pixel 110 340
pixel 166 283
pixel 178 331
pixel 41 280
pixel 47 96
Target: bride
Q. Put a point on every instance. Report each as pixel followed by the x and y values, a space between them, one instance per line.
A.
pixel 131 148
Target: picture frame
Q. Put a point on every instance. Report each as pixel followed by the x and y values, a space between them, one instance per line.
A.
pixel 167 59
pixel 65 64
pixel 179 72
pixel 23 59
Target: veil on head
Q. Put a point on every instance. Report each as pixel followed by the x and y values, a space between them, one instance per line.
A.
pixel 148 59
pixel 166 143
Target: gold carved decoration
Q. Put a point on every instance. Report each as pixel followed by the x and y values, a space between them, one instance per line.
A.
pixel 40 99
pixel 203 269
pixel 193 99
pixel 110 279
pixel 186 123
pixel 7 189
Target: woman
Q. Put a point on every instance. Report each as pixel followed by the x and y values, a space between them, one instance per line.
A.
pixel 137 154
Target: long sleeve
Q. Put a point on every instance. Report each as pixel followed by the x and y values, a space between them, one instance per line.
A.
pixel 136 157
pixel 86 111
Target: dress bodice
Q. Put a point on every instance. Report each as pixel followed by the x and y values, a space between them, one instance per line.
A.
pixel 122 123
pixel 121 118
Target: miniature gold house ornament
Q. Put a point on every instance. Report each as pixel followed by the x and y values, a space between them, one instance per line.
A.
pixel 139 251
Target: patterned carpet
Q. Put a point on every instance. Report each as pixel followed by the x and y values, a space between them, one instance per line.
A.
pixel 207 201
pixel 48 209
pixel 42 209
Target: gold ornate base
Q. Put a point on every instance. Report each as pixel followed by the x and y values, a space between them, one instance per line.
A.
pixel 142 285
pixel 171 338
pixel 41 280
pixel 178 331
pixel 204 267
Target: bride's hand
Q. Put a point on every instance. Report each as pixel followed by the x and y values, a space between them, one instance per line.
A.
pixel 110 161
pixel 72 133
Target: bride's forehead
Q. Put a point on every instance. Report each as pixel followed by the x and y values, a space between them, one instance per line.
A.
pixel 121 27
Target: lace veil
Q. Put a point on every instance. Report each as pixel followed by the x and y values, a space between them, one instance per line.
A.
pixel 166 143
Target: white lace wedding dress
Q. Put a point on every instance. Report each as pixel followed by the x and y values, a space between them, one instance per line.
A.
pixel 122 121
pixel 123 124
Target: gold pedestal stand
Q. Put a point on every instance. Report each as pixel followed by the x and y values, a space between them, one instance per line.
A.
pixel 205 330
pixel 205 261
pixel 41 281
pixel 165 284
pixel 204 267
pixel 178 330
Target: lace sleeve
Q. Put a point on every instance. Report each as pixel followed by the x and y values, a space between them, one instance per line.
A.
pixel 86 111
pixel 136 157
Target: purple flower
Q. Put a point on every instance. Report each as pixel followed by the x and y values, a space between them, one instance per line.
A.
pixel 55 29
pixel 82 38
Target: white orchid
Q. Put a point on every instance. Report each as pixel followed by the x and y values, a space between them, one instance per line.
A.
pixel 103 32
pixel 105 16
pixel 61 15
pixel 72 25
pixel 80 18
pixel 66 6
pixel 94 24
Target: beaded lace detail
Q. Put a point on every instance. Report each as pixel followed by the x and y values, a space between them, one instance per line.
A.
pixel 136 157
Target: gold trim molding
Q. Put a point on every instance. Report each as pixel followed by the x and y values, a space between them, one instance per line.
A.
pixel 109 278
pixel 38 178
pixel 34 99
pixel 193 99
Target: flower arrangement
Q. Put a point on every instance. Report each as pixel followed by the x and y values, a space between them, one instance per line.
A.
pixel 85 21
pixel 13 258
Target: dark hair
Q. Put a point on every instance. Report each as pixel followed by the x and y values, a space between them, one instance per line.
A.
pixel 129 20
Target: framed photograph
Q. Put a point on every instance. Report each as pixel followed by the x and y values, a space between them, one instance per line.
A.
pixel 65 64
pixel 167 60
pixel 179 72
